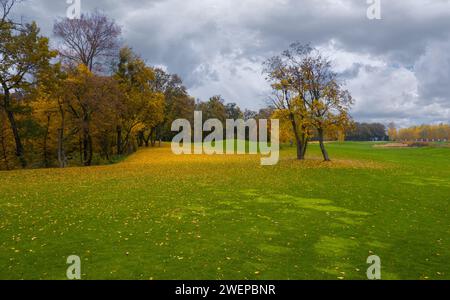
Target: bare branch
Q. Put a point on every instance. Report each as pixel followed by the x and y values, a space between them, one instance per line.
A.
pixel 89 40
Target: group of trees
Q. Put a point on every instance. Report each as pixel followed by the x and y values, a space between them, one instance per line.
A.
pixel 308 96
pixel 216 108
pixel 92 99
pixel 89 99
pixel 24 55
pixel 426 133
pixel 367 132
pixel 379 132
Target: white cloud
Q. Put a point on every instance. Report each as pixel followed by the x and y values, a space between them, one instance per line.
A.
pixel 433 72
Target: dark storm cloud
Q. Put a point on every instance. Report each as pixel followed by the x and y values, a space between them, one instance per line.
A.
pixel 217 46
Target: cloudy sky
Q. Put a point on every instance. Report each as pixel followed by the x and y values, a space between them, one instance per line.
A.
pixel 397 68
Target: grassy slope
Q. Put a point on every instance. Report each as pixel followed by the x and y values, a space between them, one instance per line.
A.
pixel 226 217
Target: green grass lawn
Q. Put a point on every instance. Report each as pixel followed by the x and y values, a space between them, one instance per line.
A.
pixel 160 216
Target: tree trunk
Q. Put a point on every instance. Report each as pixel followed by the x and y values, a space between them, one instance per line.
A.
pixel 305 147
pixel 153 137
pixel 299 141
pixel 140 139
pixel 61 153
pixel 62 159
pixel 90 152
pixel 3 143
pixel 12 121
pixel 105 145
pixel 87 144
pixel 80 147
pixel 85 147
pixel 159 136
pixel 149 138
pixel 322 146
pixel 119 141
pixel 46 159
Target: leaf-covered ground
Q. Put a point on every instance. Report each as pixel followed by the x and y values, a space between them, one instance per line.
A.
pixel 160 216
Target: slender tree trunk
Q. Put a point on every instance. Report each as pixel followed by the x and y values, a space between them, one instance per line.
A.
pixel 87 144
pixel 90 151
pixel 85 147
pixel 119 141
pixel 305 146
pixel 322 146
pixel 149 138
pixel 159 136
pixel 153 137
pixel 128 141
pixel 140 139
pixel 3 143
pixel 80 147
pixel 46 159
pixel 298 139
pixel 12 121
pixel 62 159
pixel 105 145
pixel 61 153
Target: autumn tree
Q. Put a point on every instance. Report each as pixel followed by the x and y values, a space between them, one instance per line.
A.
pixel 233 111
pixel 309 94
pixel 215 109
pixel 178 103
pixel 284 74
pixel 327 103
pixel 51 103
pixel 91 100
pixel 392 131
pixel 142 106
pixel 92 40
pixel 425 133
pixel 44 112
pixel 5 151
pixel 23 53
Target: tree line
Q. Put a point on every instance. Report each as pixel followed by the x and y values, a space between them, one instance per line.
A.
pixel 92 100
pixel 89 101
pixel 367 132
pixel 422 133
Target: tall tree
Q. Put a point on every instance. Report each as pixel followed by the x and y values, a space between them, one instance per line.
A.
pixel 23 54
pixel 54 99
pixel 392 131
pixel 282 72
pixel 91 40
pixel 90 99
pixel 309 94
pixel 214 109
pixel 178 103
pixel 327 103
pixel 233 111
pixel 142 106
